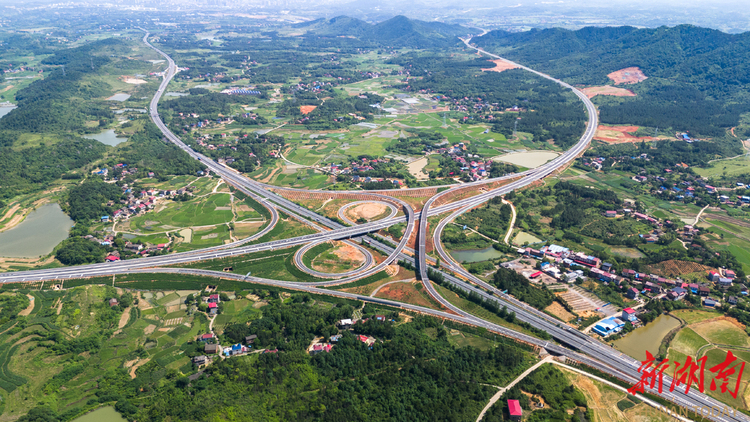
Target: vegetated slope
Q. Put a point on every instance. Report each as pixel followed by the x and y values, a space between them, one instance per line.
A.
pixel 397 31
pixel 697 76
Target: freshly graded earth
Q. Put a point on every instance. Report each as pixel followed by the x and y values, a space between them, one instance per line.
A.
pixel 629 75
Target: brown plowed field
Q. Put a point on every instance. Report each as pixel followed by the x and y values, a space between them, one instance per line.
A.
pixel 307 109
pixel 593 91
pixel 500 65
pixel 629 75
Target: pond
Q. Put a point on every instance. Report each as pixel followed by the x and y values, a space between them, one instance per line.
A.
pixel 476 255
pixel 103 414
pixel 38 234
pixel 5 110
pixel 119 97
pixel 136 110
pixel 647 337
pixel 528 159
pixel 108 137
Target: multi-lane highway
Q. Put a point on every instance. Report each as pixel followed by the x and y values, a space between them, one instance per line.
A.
pixel 587 350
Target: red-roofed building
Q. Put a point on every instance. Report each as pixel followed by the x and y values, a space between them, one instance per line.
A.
pixel 628 314
pixel 112 258
pixel 514 410
pixel 214 299
pixel 206 337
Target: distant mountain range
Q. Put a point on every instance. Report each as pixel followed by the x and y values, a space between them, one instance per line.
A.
pixel 397 31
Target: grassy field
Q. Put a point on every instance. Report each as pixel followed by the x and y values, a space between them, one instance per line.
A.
pixel 211 210
pixel 734 166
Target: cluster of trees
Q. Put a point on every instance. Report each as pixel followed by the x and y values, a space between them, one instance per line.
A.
pixel 37 166
pixel 520 288
pixel 208 105
pixel 88 201
pixel 258 145
pixel 416 145
pixel 11 305
pixel 147 151
pixel 79 251
pixel 491 220
pixel 663 154
pixel 337 108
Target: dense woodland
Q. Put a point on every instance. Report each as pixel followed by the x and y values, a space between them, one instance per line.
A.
pixel 699 78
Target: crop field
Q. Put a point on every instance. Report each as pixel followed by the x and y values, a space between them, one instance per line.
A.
pixel 211 210
pixel 82 313
pixel 731 238
pixel 722 331
pixel 688 342
pixel 730 167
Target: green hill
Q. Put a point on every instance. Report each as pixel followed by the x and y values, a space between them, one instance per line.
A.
pixel 699 78
pixel 398 31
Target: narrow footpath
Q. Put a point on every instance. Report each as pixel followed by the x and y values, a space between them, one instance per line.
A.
pixel 512 221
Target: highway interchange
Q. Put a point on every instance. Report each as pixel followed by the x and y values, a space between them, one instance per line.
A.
pixel 573 344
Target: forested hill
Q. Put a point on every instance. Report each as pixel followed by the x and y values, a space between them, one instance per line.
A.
pixel 712 60
pixel 698 78
pixel 397 31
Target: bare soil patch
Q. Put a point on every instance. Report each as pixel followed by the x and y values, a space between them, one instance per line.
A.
pixel 674 268
pixel 133 81
pixel 136 366
pixel 405 292
pixel 619 134
pixel 27 311
pixel 367 211
pixel 123 319
pixel 7 88
pixel 349 253
pixel 629 75
pixel 557 310
pixel 416 166
pixel 500 65
pixel 149 329
pixel 307 109
pixel 593 91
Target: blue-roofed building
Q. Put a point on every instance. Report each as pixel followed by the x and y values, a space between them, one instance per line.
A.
pixel 609 326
